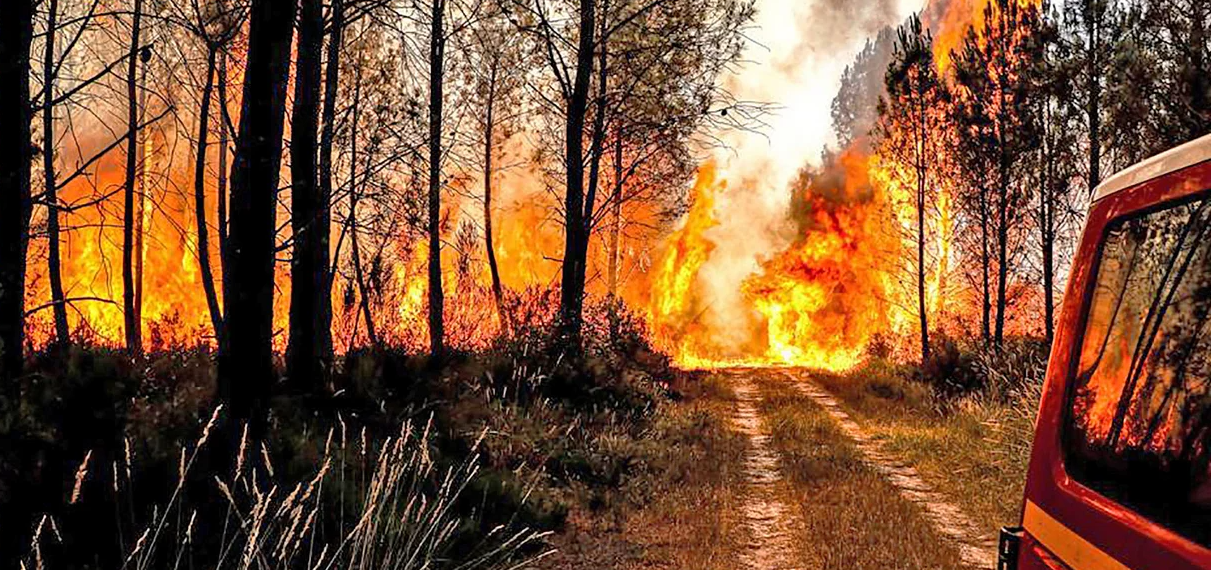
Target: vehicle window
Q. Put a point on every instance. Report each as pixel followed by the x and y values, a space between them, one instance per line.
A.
pixel 1139 429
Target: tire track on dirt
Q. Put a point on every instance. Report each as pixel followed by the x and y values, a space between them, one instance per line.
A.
pixel 767 517
pixel 976 549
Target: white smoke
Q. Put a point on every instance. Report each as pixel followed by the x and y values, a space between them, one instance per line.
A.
pixel 800 50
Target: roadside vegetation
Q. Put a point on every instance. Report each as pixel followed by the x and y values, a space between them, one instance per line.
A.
pixel 965 420
pixel 470 463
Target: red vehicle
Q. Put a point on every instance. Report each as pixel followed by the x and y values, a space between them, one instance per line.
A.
pixel 1120 473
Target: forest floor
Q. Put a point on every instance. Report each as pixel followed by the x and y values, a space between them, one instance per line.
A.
pixel 813 470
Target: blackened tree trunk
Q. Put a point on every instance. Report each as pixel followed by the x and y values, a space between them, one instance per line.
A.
pixel 199 197
pixel 225 121
pixel 1047 236
pixel 986 267
pixel 493 269
pixel 571 300
pixel 596 150
pixel 437 48
pixel 16 35
pixel 922 168
pixel 616 221
pixel 307 359
pixel 132 320
pixel 53 262
pixel 246 358
pixel 327 137
pixel 351 221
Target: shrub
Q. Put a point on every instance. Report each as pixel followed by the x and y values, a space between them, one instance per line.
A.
pixel 950 370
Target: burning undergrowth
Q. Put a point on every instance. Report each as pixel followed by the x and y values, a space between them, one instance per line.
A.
pixel 824 297
pixel 818 302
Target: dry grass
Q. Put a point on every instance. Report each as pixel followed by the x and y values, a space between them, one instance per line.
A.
pixel 974 449
pixel 850 517
pixel 398 512
pixel 691 517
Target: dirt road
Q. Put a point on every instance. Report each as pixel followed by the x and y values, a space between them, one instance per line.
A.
pixel 799 437
pixel 791 482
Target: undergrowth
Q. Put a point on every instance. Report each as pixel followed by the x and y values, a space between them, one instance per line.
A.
pixel 97 447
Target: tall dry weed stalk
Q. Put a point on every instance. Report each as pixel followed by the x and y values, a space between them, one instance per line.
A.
pixel 395 508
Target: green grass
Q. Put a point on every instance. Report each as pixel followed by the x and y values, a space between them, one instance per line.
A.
pixel 974 449
pixel 850 517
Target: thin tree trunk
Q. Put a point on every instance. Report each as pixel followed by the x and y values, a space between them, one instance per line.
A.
pixel 132 320
pixel 986 266
pixel 246 359
pixel 306 360
pixel 54 266
pixel 437 48
pixel 1047 229
pixel 497 290
pixel 921 173
pixel 225 120
pixel 351 221
pixel 16 154
pixel 327 136
pixel 1093 85
pixel 596 150
pixel 616 223
pixel 571 299
pixel 199 195
pixel 615 236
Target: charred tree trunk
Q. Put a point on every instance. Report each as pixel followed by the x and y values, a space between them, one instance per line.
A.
pixel 616 222
pixel 351 221
pixel 130 312
pixel 54 265
pixel 327 136
pixel 307 359
pixel 571 300
pixel 596 150
pixel 437 48
pixel 16 153
pixel 986 267
pixel 225 121
pixel 246 359
pixel 922 170
pixel 497 290
pixel 199 196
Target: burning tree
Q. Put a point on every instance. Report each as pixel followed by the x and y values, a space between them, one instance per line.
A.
pixel 992 93
pixel 911 140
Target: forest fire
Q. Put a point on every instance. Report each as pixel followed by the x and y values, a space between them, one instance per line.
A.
pixel 818 303
pixel 818 298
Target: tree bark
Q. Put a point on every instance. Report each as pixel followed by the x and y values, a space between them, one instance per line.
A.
pixel 246 359
pixel 16 154
pixel 307 358
pixel 199 195
pixel 922 168
pixel 225 120
pixel 616 222
pixel 437 47
pixel 327 138
pixel 986 267
pixel 54 265
pixel 351 221
pixel 497 290
pixel 1093 86
pixel 571 301
pixel 130 312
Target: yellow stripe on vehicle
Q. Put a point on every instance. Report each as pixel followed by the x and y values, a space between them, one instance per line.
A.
pixel 1068 546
